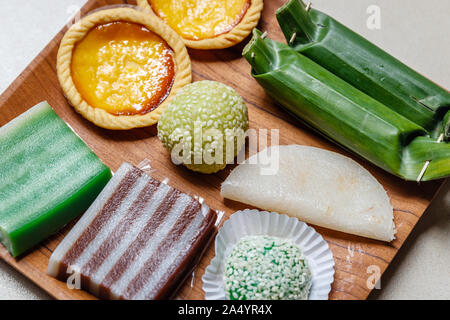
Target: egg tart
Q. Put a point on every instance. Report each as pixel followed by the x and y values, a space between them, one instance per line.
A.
pixel 207 24
pixel 120 67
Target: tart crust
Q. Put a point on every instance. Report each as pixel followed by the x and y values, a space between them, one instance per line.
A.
pixel 225 40
pixel 99 116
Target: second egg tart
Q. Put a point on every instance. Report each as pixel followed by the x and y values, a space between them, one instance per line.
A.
pixel 207 24
pixel 120 67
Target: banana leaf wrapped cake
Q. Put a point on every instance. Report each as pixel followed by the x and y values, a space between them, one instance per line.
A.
pixel 354 93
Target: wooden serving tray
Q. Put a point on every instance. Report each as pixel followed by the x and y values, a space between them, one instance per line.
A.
pixel 357 259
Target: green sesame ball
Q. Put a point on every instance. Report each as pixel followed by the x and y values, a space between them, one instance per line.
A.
pixel 204 126
pixel 266 268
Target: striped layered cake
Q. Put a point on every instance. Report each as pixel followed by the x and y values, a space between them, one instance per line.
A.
pixel 48 177
pixel 139 240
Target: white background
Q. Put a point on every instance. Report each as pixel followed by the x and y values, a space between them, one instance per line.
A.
pixel 415 31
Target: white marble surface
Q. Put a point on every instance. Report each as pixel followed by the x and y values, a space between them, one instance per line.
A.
pixel 412 30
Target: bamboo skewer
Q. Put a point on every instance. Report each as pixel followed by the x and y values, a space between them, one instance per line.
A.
pixel 308 6
pixel 292 37
pixel 427 163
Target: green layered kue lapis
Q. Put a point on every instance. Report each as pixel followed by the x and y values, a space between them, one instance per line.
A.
pixel 48 177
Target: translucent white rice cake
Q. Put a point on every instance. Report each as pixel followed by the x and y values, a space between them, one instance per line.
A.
pixel 316 186
pixel 138 240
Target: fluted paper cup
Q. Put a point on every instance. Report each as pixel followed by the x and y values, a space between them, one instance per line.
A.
pixel 254 222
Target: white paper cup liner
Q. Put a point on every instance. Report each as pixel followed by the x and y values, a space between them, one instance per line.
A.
pixel 254 222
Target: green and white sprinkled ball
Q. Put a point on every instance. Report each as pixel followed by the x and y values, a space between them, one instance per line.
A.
pixel 266 268
pixel 204 126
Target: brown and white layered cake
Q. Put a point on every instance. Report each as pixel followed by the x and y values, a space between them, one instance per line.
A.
pixel 138 240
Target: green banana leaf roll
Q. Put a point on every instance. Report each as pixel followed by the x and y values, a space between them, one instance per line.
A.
pixel 366 67
pixel 345 114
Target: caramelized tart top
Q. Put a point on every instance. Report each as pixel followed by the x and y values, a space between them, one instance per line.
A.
pixel 200 19
pixel 123 68
pixel 207 24
pixel 120 67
